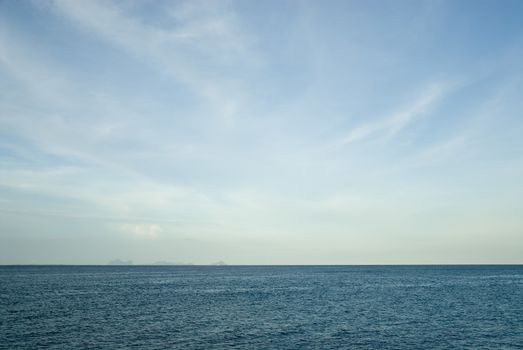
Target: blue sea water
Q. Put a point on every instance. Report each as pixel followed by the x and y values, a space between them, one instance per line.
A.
pixel 261 307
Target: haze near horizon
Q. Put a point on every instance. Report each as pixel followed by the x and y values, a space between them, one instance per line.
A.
pixel 273 132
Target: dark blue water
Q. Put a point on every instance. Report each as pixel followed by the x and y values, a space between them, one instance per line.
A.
pixel 307 307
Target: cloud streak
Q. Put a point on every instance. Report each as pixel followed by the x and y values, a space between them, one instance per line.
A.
pixel 388 127
pixel 203 31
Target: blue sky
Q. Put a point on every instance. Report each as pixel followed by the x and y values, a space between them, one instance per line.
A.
pixel 272 132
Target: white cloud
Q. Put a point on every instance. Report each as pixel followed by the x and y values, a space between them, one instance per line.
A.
pixel 144 231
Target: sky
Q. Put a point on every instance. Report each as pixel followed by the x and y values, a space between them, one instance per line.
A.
pixel 261 132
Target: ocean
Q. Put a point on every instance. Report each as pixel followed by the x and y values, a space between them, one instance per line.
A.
pixel 261 307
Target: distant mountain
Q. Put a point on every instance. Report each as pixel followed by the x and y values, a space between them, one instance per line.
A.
pixel 170 263
pixel 120 262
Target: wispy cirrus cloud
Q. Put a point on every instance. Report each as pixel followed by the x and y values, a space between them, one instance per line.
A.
pixel 202 32
pixel 387 127
pixel 439 152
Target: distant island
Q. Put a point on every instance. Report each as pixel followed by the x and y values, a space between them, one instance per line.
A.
pixel 170 263
pixel 120 262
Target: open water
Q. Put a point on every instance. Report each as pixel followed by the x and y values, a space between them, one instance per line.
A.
pixel 261 307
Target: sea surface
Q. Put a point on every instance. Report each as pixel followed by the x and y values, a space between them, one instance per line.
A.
pixel 261 307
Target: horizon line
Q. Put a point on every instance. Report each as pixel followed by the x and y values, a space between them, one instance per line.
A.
pixel 270 265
